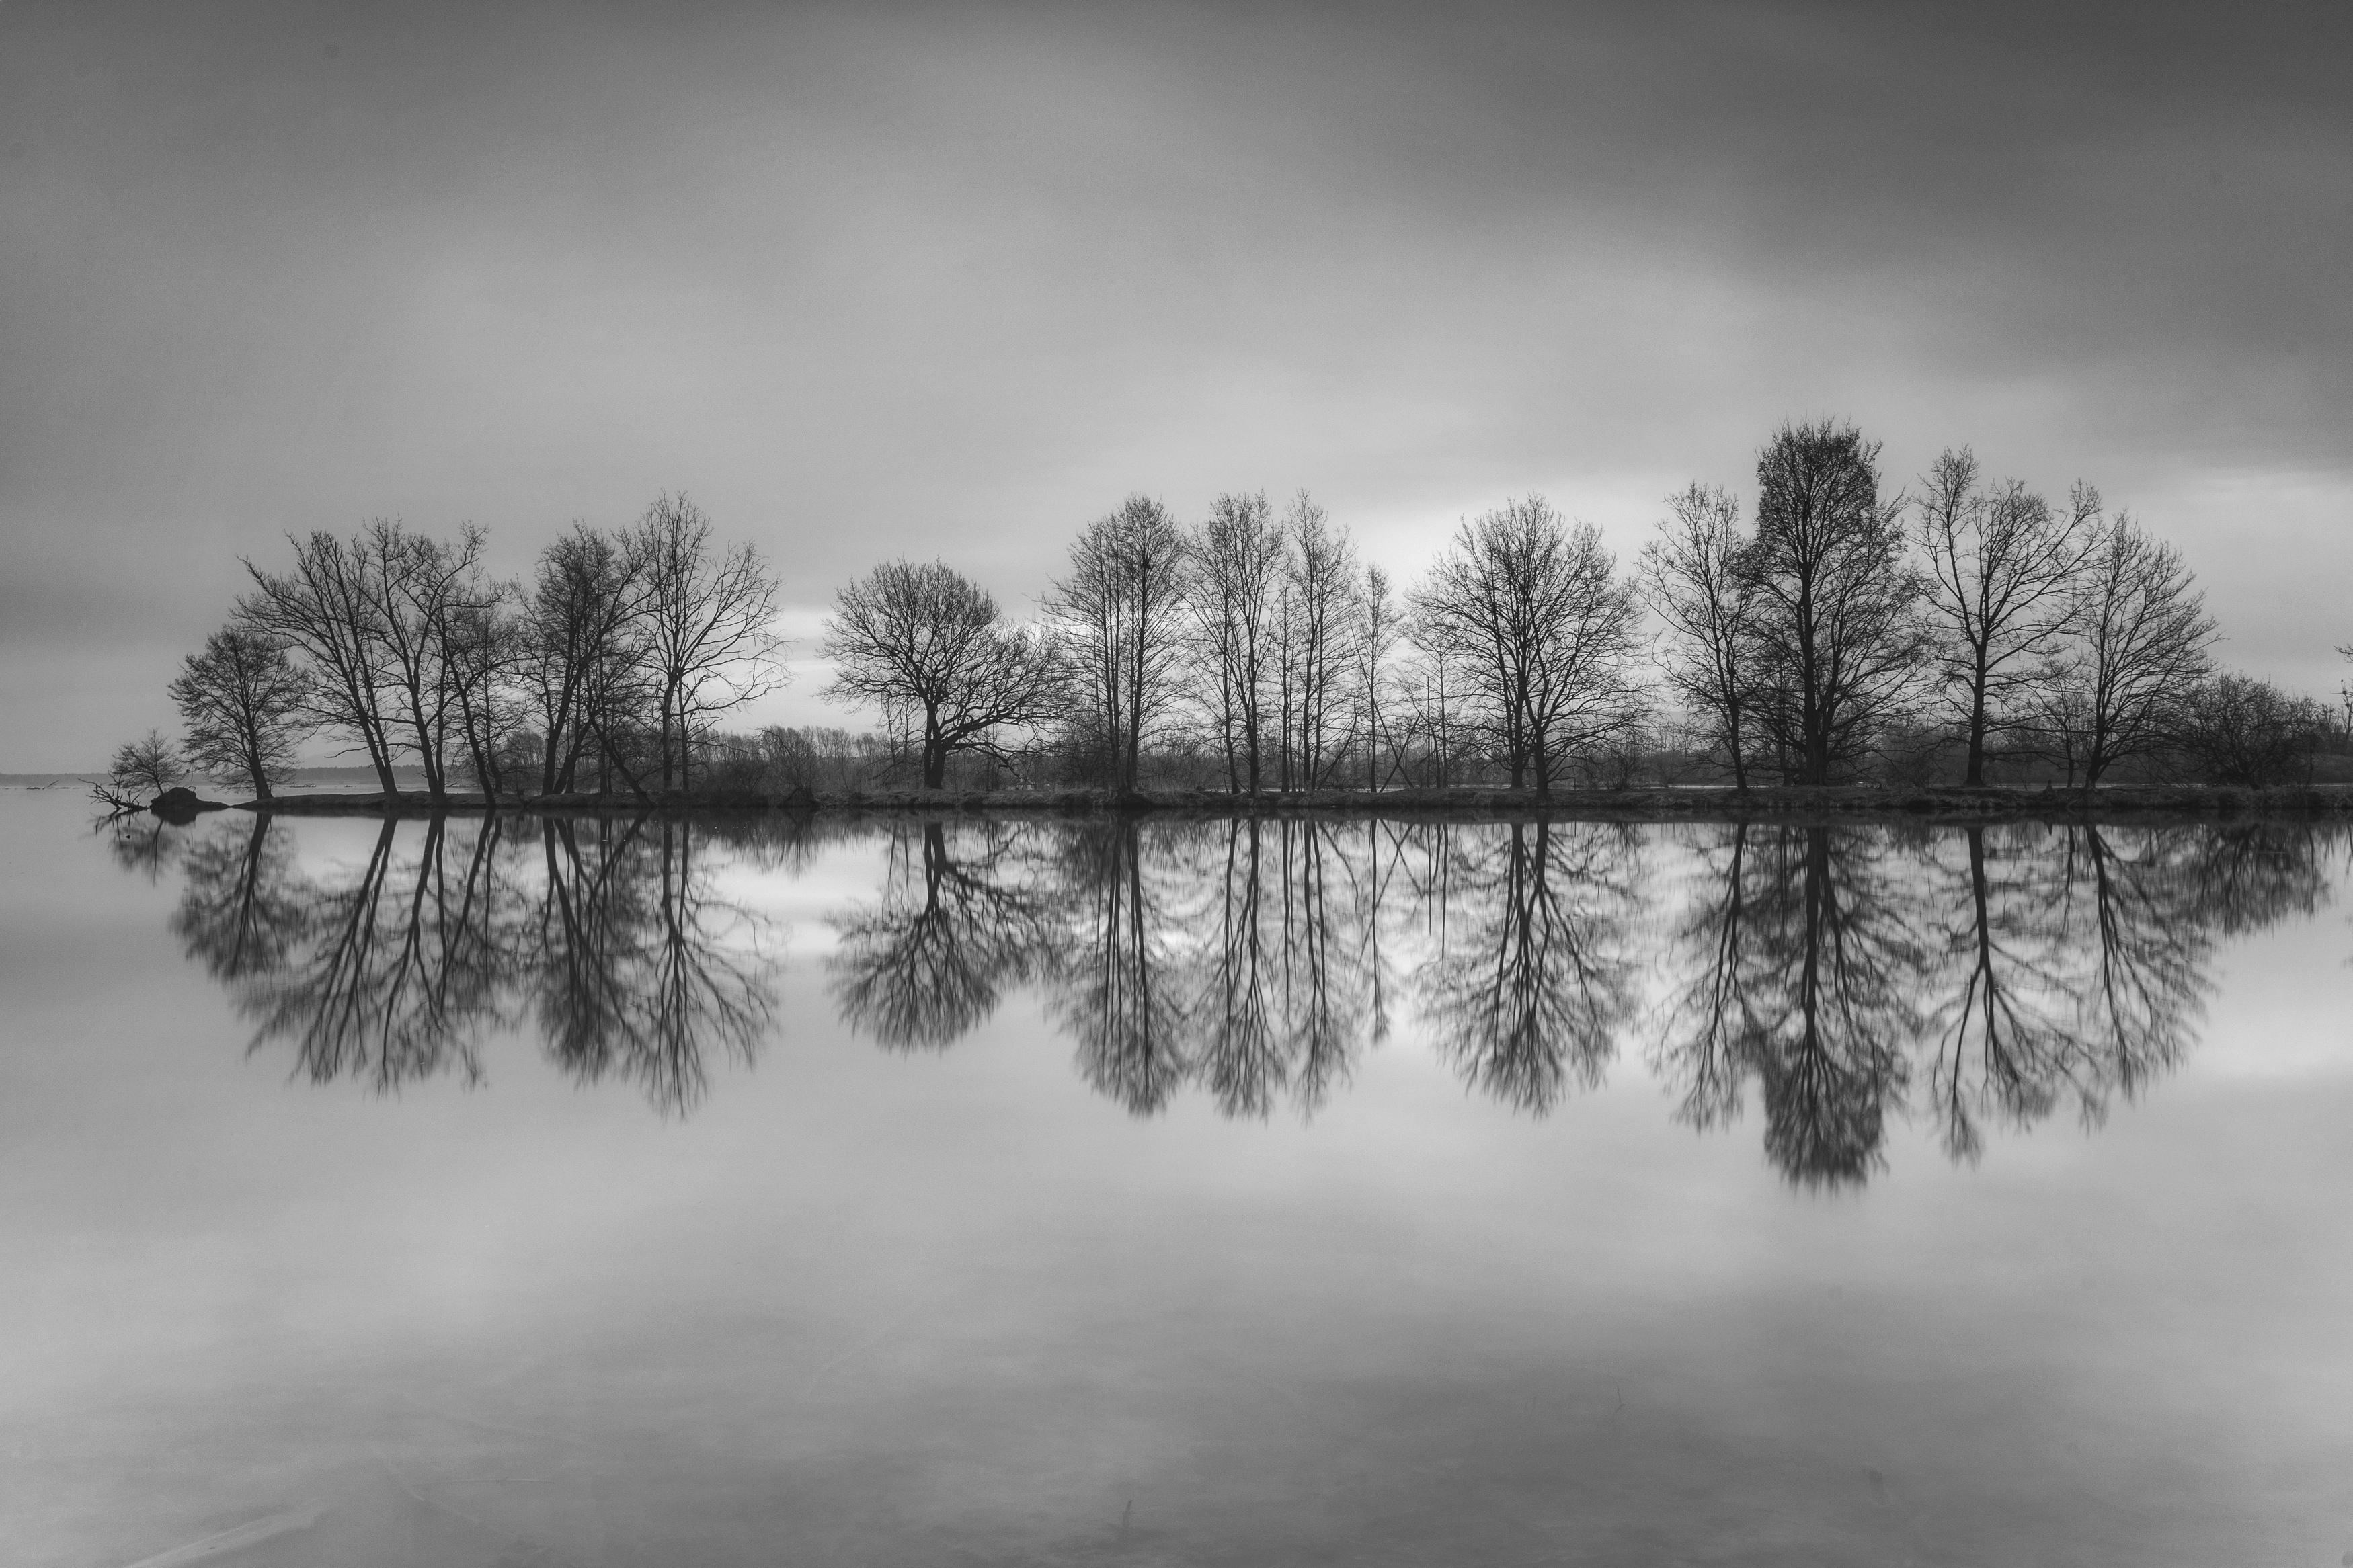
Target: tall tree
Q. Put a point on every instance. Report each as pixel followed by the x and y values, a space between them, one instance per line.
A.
pixel 1533 613
pixel 1321 584
pixel 244 706
pixel 328 608
pixel 416 584
pixel 1237 580
pixel 706 613
pixel 1122 604
pixel 2000 592
pixel 1695 577
pixel 926 644
pixel 1378 627
pixel 1839 643
pixel 580 619
pixel 2141 649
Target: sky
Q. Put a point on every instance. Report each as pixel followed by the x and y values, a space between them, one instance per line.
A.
pixel 869 280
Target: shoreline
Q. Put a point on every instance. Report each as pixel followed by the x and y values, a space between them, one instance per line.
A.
pixel 1703 803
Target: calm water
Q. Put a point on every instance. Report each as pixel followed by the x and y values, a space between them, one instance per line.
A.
pixel 600 1193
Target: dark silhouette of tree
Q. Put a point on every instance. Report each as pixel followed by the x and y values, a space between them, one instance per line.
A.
pixel 2241 729
pixel 1695 578
pixel 1121 605
pixel 328 606
pixel 581 669
pixel 962 918
pixel 1533 613
pixel 1234 595
pixel 2140 649
pixel 1317 621
pixel 1533 982
pixel 244 707
pixel 704 615
pixel 2001 595
pixel 147 767
pixel 931 650
pixel 1838 647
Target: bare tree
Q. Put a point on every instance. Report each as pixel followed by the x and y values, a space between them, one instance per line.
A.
pixel 1320 585
pixel 2244 730
pixel 415 582
pixel 482 645
pixel 1238 562
pixel 1378 626
pixel 327 607
pixel 1837 643
pixel 1543 630
pixel 2142 637
pixel 148 765
pixel 580 615
pixel 245 706
pixel 1122 604
pixel 1695 578
pixel 2000 590
pixel 927 643
pixel 706 614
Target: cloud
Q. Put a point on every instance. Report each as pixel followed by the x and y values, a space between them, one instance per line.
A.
pixel 880 280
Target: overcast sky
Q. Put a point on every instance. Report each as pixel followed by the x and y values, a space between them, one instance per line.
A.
pixel 869 280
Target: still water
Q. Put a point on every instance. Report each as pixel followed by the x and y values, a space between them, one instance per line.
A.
pixel 607 1192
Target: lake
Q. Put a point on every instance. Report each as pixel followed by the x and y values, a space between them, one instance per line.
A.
pixel 594 1192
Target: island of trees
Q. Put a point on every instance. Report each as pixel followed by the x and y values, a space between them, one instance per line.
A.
pixel 1963 631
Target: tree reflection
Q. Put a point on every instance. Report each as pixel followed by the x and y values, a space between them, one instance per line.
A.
pixel 1531 981
pixel 1279 999
pixel 1118 989
pixel 240 910
pixel 397 969
pixel 2016 970
pixel 640 970
pixel 397 983
pixel 1978 978
pixel 961 918
pixel 1801 966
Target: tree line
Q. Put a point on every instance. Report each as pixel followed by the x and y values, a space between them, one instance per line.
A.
pixel 1840 632
pixel 613 662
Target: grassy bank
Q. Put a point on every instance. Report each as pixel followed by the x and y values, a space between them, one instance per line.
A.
pixel 2137 802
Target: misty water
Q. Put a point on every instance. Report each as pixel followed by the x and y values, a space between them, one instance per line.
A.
pixel 598 1191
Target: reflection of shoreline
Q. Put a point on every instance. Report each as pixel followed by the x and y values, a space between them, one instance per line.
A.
pixel 1980 977
pixel 2142 805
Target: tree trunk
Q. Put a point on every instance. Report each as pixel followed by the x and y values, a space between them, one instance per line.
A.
pixel 1976 775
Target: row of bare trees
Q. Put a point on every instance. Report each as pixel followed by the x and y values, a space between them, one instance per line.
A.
pixel 1996 618
pixel 1262 643
pixel 1797 645
pixel 613 659
pixel 1262 650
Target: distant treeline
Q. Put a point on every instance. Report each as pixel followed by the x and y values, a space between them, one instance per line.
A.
pixel 1968 630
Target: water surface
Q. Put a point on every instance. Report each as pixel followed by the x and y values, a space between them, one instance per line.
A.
pixel 599 1192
